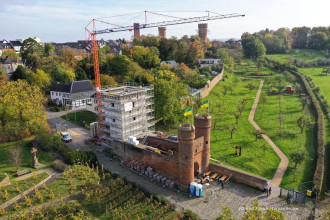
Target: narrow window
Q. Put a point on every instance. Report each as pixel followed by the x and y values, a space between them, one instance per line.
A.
pixel 186 157
pixel 134 118
pixel 113 120
pixel 112 104
pixel 206 142
pixel 133 104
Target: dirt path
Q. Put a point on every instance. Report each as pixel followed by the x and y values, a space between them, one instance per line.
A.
pixel 278 176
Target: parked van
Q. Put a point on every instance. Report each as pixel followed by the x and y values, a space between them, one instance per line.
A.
pixel 66 137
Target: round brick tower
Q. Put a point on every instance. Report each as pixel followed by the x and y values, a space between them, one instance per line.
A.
pixel 203 128
pixel 202 33
pixel 162 32
pixel 136 30
pixel 186 139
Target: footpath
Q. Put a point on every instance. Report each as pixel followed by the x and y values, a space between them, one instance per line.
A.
pixel 278 176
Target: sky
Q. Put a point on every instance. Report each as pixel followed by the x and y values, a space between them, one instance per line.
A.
pixel 65 20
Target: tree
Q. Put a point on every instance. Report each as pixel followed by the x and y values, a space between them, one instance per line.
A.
pixel 273 214
pixel 298 157
pixel 167 103
pixel 303 121
pixel 80 73
pixel 31 52
pixel 318 40
pixel 226 214
pixel 232 129
pixel 254 212
pixel 326 70
pixel 257 133
pixel 21 73
pixel 9 53
pixel 237 115
pixel 22 110
pixel 241 106
pixel 41 79
pixel 49 48
pixel 107 80
pixel 15 156
pixel 252 46
pixel 300 37
pixel 304 102
pixel 250 85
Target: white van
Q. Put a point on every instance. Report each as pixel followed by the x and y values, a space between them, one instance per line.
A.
pixel 66 137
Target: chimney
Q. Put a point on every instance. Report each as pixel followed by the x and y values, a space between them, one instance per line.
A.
pixel 136 30
pixel 162 32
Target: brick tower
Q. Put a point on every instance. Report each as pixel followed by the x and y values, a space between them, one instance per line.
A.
pixel 202 33
pixel 162 32
pixel 186 139
pixel 136 30
pixel 203 128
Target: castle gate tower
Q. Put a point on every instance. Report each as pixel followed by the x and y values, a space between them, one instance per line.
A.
pixel 203 128
pixel 186 139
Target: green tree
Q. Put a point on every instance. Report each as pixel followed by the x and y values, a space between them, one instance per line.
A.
pixel 31 52
pixel 272 214
pixel 9 53
pixel 326 70
pixel 119 65
pixel 255 212
pixel 49 48
pixel 80 73
pixel 22 110
pixel 317 41
pixel 252 46
pixel 62 74
pixel 300 37
pixel 298 157
pixel 303 121
pixel 167 103
pixel 226 214
pixel 257 133
pixel 232 128
pixel 21 73
pixel 107 80
pixel 41 79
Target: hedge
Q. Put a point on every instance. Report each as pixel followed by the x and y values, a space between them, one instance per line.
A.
pixel 319 171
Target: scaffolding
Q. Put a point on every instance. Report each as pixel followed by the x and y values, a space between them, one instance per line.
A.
pixel 126 111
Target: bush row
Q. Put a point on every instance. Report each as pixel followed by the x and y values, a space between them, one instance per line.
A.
pixel 319 171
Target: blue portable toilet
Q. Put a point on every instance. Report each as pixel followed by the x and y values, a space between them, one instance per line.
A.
pixel 199 190
pixel 192 188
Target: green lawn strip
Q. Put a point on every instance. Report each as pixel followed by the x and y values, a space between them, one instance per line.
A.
pixel 23 185
pixel 308 55
pixel 62 187
pixel 253 159
pixel 291 140
pixel 80 118
pixel 5 167
pixel 319 79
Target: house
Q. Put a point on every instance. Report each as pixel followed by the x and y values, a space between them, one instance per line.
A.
pixel 4 46
pixel 170 62
pixel 10 64
pixel 74 95
pixel 16 44
pixel 208 62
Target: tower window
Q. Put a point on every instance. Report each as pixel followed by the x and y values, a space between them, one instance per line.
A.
pixel 134 118
pixel 206 142
pixel 196 151
pixel 113 120
pixel 186 157
pixel 112 104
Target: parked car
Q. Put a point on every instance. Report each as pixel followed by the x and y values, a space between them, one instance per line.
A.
pixel 66 137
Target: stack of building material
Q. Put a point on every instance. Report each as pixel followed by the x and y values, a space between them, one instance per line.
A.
pixel 132 140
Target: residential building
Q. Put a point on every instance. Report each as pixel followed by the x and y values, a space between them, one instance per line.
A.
pixel 126 111
pixel 76 94
pixel 16 45
pixel 170 62
pixel 10 64
pixel 208 62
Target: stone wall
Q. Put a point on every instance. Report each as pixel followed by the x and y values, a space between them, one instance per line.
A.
pixel 5 182
pixel 240 176
pixel 162 144
pixel 210 85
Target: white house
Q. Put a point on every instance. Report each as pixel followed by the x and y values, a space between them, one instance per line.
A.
pixel 170 62
pixel 208 62
pixel 76 94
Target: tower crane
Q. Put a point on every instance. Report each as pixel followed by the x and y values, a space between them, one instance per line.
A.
pixel 91 35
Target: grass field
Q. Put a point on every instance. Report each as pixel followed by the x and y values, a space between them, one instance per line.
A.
pixel 253 159
pixel 291 139
pixel 308 55
pixel 43 157
pixel 319 79
pixel 81 118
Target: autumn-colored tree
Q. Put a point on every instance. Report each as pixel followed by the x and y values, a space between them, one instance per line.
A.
pixel 41 79
pixel 9 53
pixel 22 112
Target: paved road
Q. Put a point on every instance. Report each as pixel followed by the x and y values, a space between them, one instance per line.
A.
pixel 78 133
pixel 278 176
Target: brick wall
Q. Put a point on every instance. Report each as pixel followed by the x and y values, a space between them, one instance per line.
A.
pixel 209 86
pixel 5 182
pixel 240 176
pixel 162 144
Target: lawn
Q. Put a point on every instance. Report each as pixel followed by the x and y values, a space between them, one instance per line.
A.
pixel 319 79
pixel 308 55
pixel 43 157
pixel 81 118
pixel 291 139
pixel 253 159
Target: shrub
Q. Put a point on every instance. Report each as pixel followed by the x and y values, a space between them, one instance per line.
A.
pixel 64 150
pixel 77 156
pixel 49 142
pixel 59 165
pixel 188 214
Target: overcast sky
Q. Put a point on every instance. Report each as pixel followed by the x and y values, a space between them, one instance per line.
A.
pixel 65 20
